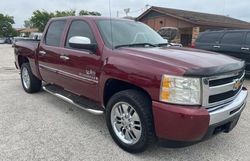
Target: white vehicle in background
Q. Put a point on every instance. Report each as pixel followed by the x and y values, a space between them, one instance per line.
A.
pixel 2 40
pixel 36 35
pixel 175 44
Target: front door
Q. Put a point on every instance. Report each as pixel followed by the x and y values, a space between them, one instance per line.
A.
pixel 231 44
pixel 81 68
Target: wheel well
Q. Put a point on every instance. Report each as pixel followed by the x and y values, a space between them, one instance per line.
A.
pixel 22 60
pixel 113 86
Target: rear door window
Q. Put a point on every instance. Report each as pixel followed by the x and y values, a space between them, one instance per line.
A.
pixel 209 37
pixel 232 38
pixel 55 32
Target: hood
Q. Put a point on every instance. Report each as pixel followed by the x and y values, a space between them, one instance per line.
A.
pixel 195 62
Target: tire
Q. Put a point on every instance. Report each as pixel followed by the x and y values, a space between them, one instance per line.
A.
pixel 30 83
pixel 142 107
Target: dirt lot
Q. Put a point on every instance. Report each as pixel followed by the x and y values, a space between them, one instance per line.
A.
pixel 43 127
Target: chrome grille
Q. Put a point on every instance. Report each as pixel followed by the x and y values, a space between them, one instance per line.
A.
pixel 218 91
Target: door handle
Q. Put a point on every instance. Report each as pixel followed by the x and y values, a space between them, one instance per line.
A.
pixel 244 48
pixel 216 46
pixel 63 57
pixel 42 53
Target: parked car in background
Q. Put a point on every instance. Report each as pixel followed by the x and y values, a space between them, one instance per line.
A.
pixel 36 35
pixel 234 43
pixel 8 40
pixel 2 40
pixel 169 34
pixel 175 44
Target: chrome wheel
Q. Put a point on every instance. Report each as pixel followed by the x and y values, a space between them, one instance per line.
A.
pixel 126 123
pixel 26 78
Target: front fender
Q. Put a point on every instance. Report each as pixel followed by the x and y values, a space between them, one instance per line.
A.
pixel 132 72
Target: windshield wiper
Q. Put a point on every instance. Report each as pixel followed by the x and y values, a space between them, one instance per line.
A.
pixel 137 44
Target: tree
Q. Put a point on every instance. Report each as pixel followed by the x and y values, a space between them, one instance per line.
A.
pixel 84 12
pixel 64 13
pixel 6 23
pixel 28 24
pixel 40 18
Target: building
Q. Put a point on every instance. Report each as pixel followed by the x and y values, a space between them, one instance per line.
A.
pixel 26 31
pixel 189 23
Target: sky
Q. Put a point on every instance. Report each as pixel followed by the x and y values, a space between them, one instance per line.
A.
pixel 23 9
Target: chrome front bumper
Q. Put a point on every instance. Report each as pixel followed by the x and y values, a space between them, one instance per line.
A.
pixel 230 110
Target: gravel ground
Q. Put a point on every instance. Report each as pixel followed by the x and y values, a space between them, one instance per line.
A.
pixel 43 127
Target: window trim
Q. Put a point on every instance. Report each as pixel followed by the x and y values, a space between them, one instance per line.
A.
pixel 45 37
pixel 66 36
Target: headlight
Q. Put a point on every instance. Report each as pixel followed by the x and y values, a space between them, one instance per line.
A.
pixel 180 90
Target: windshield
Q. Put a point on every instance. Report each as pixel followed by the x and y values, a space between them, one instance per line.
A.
pixel 127 33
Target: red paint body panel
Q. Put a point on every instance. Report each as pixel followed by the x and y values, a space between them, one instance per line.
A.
pixel 142 67
pixel 28 50
pixel 180 123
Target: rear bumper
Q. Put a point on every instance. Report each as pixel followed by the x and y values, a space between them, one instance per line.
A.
pixel 180 123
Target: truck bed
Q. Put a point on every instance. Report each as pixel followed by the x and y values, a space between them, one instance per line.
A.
pixel 28 44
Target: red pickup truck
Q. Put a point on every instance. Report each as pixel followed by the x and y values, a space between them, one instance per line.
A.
pixel 147 89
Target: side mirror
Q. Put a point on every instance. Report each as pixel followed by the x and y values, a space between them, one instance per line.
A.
pixel 80 42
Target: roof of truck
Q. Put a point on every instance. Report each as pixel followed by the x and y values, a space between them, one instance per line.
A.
pixel 90 18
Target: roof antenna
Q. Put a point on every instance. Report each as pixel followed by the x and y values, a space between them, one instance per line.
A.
pixel 111 26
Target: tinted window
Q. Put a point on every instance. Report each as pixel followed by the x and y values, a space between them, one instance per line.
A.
pixel 248 39
pixel 234 38
pixel 209 37
pixel 80 28
pixel 54 33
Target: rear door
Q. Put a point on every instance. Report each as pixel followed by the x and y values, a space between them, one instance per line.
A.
pixel 246 51
pixel 49 52
pixel 208 41
pixel 231 44
pixel 82 69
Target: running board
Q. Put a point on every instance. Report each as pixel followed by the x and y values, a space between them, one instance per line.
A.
pixel 73 99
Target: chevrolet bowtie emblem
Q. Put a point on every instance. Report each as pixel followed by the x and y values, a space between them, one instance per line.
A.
pixel 237 84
